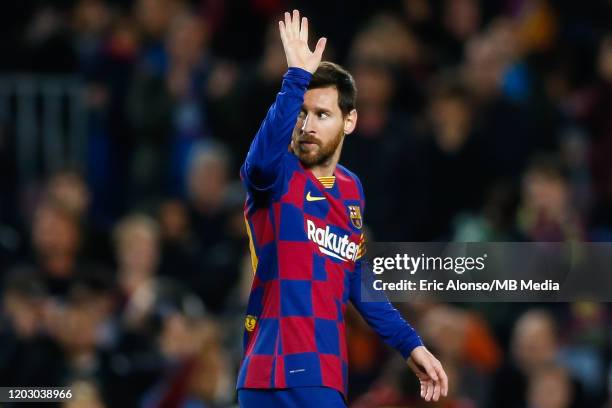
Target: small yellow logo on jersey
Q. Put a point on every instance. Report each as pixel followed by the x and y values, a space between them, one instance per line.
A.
pixel 249 322
pixel 313 198
pixel 355 215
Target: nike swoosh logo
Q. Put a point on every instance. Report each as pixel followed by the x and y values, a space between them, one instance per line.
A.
pixel 311 198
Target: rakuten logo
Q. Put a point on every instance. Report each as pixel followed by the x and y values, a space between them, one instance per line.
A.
pixel 331 244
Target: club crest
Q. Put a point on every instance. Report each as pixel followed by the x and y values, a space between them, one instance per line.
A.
pixel 249 322
pixel 355 215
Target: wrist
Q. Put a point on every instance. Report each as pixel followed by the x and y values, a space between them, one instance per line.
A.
pixel 298 73
pixel 412 345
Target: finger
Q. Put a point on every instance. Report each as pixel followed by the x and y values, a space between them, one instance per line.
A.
pixel 423 389
pixel 429 392
pixel 295 22
pixel 436 391
pixel 283 35
pixel 320 47
pixel 443 380
pixel 288 32
pixel 304 30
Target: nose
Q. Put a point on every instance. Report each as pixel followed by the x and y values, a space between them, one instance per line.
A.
pixel 307 125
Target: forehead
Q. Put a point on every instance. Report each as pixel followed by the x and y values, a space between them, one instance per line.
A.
pixel 326 98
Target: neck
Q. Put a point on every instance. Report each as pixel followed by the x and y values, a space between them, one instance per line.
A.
pixel 324 170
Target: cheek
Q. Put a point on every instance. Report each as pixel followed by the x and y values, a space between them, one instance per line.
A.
pixel 329 131
pixel 296 130
pixel 298 124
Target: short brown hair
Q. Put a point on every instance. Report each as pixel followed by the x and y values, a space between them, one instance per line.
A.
pixel 329 74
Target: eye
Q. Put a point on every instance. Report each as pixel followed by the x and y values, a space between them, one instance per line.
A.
pixel 323 115
pixel 302 115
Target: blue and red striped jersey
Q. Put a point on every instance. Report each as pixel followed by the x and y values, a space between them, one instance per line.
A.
pixel 306 244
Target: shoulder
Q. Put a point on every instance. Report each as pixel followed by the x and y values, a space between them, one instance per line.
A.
pixel 345 175
pixel 343 171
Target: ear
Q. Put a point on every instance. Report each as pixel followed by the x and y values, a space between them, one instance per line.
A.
pixel 350 121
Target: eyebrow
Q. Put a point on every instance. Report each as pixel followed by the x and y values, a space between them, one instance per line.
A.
pixel 316 110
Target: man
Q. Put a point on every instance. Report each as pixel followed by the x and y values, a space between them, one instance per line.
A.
pixel 304 218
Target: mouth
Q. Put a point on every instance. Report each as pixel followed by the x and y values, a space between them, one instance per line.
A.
pixel 307 144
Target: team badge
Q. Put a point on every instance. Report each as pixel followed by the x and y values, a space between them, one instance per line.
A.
pixel 249 322
pixel 355 215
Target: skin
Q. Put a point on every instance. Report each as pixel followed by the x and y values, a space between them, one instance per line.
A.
pixel 320 129
pixel 317 141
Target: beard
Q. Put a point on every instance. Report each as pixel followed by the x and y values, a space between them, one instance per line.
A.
pixel 318 153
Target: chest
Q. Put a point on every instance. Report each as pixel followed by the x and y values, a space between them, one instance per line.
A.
pixel 328 219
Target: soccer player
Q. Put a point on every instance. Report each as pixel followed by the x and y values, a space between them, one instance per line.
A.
pixel 304 215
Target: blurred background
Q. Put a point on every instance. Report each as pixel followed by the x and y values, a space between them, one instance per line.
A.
pixel 123 254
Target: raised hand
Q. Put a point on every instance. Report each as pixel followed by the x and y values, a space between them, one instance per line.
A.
pixel 295 42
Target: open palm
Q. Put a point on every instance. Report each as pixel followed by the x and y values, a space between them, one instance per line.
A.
pixel 294 36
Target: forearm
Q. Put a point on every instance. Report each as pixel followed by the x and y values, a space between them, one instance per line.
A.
pixel 383 317
pixel 261 166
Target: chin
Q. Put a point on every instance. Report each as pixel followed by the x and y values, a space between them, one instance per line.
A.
pixel 307 160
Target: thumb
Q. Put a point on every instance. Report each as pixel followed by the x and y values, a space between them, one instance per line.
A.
pixel 320 47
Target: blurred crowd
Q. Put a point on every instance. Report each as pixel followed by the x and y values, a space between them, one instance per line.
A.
pixel 479 120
